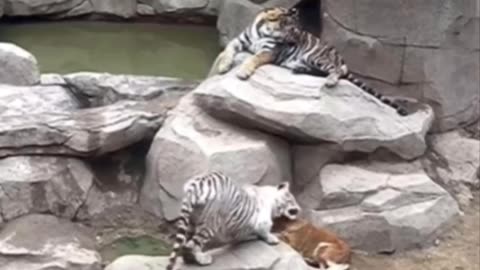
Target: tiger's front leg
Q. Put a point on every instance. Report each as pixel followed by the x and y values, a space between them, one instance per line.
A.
pixel 248 67
pixel 227 56
pixel 264 233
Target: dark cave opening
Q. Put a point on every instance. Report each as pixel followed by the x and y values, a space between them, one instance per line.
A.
pixel 311 15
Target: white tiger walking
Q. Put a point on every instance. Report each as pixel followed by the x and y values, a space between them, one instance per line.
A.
pixel 215 207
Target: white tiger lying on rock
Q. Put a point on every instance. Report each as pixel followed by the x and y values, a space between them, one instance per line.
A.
pixel 215 207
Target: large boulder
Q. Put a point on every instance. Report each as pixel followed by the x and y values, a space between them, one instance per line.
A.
pixel 191 142
pixel 299 108
pixel 30 100
pixel 99 89
pixel 39 7
pixel 428 51
pixel 43 242
pixel 382 207
pixel 17 66
pixel 246 256
pixel 34 184
pixel 85 132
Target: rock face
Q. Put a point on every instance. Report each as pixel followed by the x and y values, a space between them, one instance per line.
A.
pixel 428 51
pixel 380 211
pixel 190 143
pixel 99 89
pixel 297 107
pixel 23 100
pixel 247 256
pixel 34 184
pixel 38 7
pixel 120 8
pixel 17 66
pixel 43 242
pixel 87 132
pixel 458 158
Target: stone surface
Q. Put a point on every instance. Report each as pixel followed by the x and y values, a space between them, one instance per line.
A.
pixel 42 242
pixel 120 8
pixel 455 159
pixel 39 7
pixel 299 108
pixel 2 5
pixel 112 201
pixel 86 132
pixel 98 89
pixel 30 100
pixel 308 161
pixel 246 256
pixel 35 184
pixel 17 66
pixel 430 51
pixel 378 210
pixel 190 143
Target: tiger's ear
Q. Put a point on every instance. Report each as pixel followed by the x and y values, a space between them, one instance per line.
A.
pixel 284 186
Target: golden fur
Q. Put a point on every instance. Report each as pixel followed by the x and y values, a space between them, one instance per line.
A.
pixel 319 247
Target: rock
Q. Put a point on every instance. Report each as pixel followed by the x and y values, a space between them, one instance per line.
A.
pixel 86 132
pixel 308 161
pixel 18 67
pixel 246 256
pixel 44 242
pixel 98 89
pixel 23 100
pixel 2 5
pixel 429 52
pixel 112 202
pixel 145 10
pixel 455 159
pixel 298 108
pixel 35 184
pixel 39 7
pixel 120 8
pixel 190 143
pixel 181 5
pixel 383 212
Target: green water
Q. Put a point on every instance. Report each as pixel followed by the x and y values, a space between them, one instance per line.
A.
pixel 142 245
pixel 126 48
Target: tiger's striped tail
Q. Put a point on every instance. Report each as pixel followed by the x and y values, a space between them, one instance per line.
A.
pixel 183 223
pixel 400 110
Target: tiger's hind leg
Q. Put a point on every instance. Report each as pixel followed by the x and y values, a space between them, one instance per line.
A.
pixel 252 63
pixel 196 244
pixel 335 74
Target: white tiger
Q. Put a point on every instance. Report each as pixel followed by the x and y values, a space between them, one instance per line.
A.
pixel 215 207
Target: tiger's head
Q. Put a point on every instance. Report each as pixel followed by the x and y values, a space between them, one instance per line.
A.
pixel 285 204
pixel 277 22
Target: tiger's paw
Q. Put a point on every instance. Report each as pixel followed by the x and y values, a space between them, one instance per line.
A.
pixel 244 73
pixel 331 82
pixel 271 239
pixel 203 258
pixel 225 64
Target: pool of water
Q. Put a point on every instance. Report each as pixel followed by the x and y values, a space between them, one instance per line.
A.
pixel 126 48
pixel 141 245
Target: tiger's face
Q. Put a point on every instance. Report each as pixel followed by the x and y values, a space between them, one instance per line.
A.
pixel 285 204
pixel 277 23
